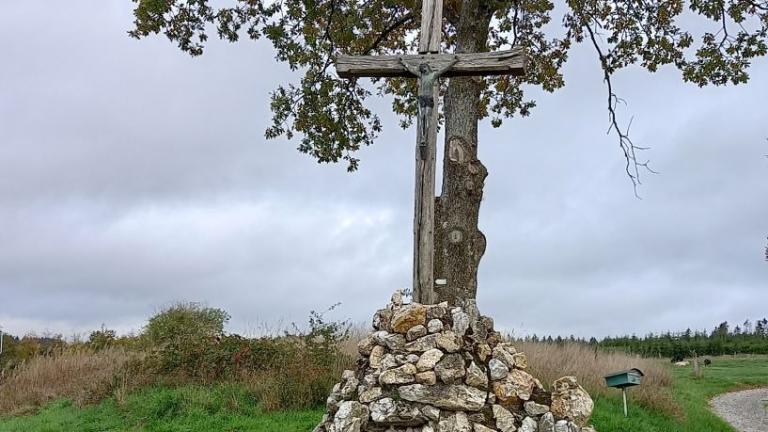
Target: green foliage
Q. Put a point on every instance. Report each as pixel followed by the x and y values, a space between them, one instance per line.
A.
pixel 324 337
pixel 185 320
pixel 101 339
pixel 17 350
pixel 181 338
pixel 743 339
pixel 187 342
pixel 304 378
pixel 331 115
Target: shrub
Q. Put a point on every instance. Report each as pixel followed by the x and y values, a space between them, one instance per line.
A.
pixel 180 340
pixel 101 339
pixel 185 321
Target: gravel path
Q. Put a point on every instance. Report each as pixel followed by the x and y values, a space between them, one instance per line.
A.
pixel 744 410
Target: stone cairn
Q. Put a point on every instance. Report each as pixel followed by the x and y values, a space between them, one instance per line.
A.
pixel 433 368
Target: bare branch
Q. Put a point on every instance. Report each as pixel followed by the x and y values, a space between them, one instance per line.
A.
pixel 633 166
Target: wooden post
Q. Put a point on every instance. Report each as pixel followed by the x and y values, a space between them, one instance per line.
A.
pixel 424 206
pixel 424 215
pixel 431 26
pixel 624 393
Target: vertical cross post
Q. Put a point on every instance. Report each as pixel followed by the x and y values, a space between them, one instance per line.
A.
pixel 424 206
pixel 431 26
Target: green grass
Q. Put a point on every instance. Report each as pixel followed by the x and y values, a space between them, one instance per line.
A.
pixel 223 408
pixel 230 408
pixel 693 395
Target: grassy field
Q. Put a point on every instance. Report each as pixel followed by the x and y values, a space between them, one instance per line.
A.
pixel 224 408
pixel 692 395
pixel 232 408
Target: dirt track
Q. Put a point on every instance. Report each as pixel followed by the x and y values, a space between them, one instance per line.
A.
pixel 744 410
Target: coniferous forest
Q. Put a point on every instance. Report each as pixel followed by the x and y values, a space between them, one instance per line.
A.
pixel 744 338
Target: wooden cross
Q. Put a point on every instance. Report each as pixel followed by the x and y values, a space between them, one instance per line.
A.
pixel 428 66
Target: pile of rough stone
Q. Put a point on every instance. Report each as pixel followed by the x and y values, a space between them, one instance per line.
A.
pixel 433 368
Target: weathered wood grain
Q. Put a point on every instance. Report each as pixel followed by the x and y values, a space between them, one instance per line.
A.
pixel 424 212
pixel 431 26
pixel 509 62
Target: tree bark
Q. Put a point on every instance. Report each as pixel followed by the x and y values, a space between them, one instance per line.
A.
pixel 459 244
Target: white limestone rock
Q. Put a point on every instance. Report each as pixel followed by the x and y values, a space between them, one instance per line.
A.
pixel 498 369
pixel 435 326
pixel 476 377
pixel 370 395
pixel 393 341
pixel 404 374
pixel 449 397
pixel 547 422
pixel 389 361
pixel 388 411
pixel 571 401
pixel 501 354
pixel 431 412
pixel 351 417
pixel 529 425
pixel 534 409
pixel 455 423
pixel 450 369
pixel 429 359
pixel 377 354
pixel 460 321
pixel 521 360
pixel 422 344
pixel 427 378
pixel 516 387
pixel 505 421
pixel 365 345
pixel 448 341
pixel 415 332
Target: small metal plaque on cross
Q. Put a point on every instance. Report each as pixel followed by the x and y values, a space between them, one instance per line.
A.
pixel 429 66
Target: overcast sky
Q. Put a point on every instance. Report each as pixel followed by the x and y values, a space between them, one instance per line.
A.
pixel 133 176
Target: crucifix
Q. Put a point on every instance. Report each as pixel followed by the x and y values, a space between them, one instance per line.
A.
pixel 429 65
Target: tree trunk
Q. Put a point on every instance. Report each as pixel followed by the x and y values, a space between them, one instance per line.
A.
pixel 459 244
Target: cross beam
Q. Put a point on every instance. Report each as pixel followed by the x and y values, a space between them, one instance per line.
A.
pixel 509 62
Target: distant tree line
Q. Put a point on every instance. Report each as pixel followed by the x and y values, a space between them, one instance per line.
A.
pixel 745 338
pixel 17 350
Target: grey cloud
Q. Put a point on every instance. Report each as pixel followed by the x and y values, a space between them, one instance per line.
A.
pixel 132 176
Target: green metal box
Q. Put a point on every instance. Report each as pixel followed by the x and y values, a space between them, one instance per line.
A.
pixel 627 378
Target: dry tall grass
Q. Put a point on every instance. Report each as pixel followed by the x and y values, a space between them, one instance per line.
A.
pixel 549 362
pixel 79 375
pixel 300 382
